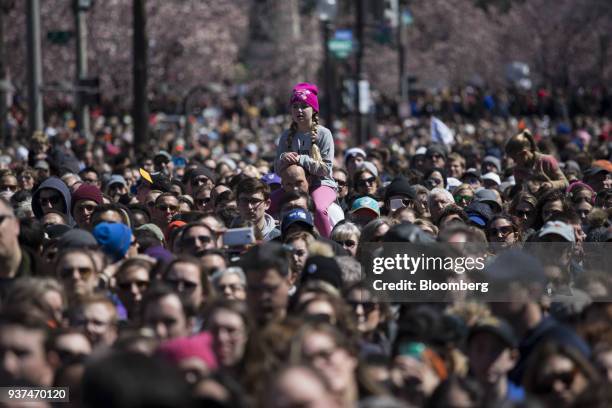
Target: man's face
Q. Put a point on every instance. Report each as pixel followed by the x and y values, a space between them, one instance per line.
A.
pixel 294 178
pixel 267 294
pixel 52 218
pixel 82 213
pixel 456 169
pixel 98 322
pixel 185 278
pixel 51 199
pixel 91 178
pixel 437 203
pixel 131 285
pixel 116 190
pixel 166 317
pixel 436 160
pixel 354 163
pixel 110 216
pixel 212 263
pixel 26 181
pixel 341 181
pixel 8 185
pixel 196 240
pixel 231 287
pixel 22 354
pixel 165 208
pixel 293 204
pixel 77 273
pixel 252 207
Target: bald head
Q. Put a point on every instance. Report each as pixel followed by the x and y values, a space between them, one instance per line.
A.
pixel 293 177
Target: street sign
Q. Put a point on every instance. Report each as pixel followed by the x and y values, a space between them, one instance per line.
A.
pixel 340 48
pixel 344 34
pixel 407 18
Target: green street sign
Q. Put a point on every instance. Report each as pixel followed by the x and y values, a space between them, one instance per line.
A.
pixel 340 48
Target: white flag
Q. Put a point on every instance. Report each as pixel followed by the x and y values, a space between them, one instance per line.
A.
pixel 440 133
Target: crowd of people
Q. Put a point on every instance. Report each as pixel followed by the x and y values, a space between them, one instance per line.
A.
pixel 228 267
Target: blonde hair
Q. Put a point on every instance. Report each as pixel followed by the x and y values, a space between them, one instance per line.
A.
pixel 315 152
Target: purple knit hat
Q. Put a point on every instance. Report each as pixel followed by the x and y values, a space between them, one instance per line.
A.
pixel 307 93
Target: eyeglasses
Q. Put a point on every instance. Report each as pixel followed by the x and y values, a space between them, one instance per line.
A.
pixel 368 307
pixel 244 201
pixel 192 241
pixel 142 285
pixel 166 207
pixel 53 200
pixel 503 231
pixel 349 243
pixel 85 272
pixel 340 183
pixel 182 285
pixel 367 182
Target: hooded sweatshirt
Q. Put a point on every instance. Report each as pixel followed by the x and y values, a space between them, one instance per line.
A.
pixel 53 183
pixel 270 230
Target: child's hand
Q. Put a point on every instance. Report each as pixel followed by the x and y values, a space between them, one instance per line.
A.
pixel 290 158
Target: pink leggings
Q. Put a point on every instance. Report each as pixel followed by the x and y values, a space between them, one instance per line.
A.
pixel 323 196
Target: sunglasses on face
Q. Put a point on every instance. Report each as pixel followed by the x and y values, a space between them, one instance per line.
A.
pixel 348 243
pixel 503 231
pixel 547 384
pixel 85 272
pixel 521 213
pixel 53 200
pixel 463 198
pixel 165 207
pixel 368 307
pixel 203 201
pixel 142 285
pixel 340 183
pixel 8 187
pixel 367 182
pixel 191 241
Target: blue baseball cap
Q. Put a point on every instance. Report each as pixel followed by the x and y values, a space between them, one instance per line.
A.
pixel 296 215
pixel 271 178
pixel 367 203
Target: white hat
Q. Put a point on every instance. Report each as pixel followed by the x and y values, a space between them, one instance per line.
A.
pixel 493 177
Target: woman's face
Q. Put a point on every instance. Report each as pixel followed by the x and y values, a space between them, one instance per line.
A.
pixel 301 113
pixel 229 336
pixel 366 310
pixel 321 307
pixel 560 381
pixel 78 274
pixel 551 208
pixel 524 214
pixel 367 184
pixel 435 180
pixel 583 209
pixel 501 231
pixel 298 256
pixel 349 243
pixel 522 157
pixel 463 197
pixel 335 363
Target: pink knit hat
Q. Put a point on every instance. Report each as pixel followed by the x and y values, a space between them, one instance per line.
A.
pixel 307 93
pixel 182 348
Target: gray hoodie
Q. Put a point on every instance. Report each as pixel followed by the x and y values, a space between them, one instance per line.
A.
pixel 321 173
pixel 270 230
